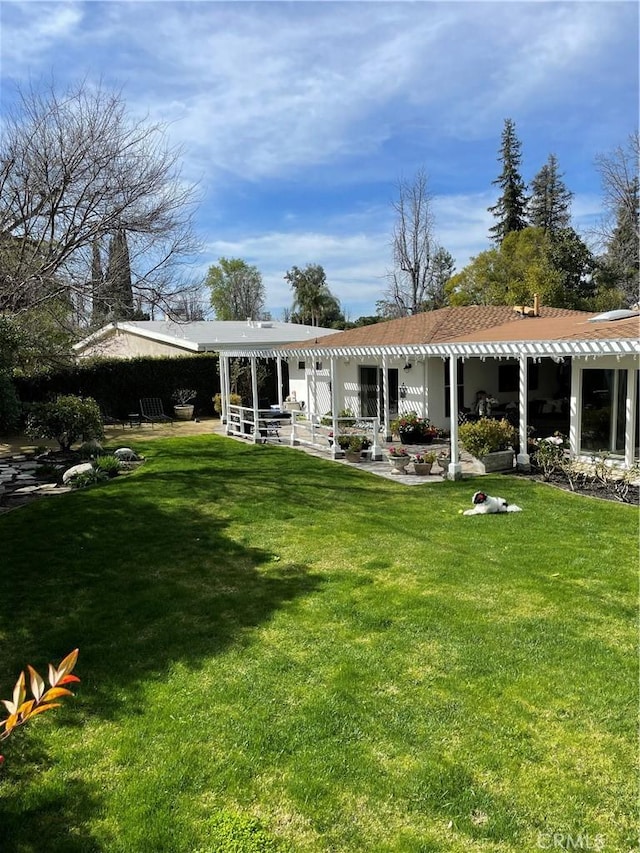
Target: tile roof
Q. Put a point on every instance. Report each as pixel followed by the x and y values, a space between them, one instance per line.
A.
pixel 467 323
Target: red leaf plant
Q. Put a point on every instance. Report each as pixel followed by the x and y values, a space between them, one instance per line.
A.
pixel 21 709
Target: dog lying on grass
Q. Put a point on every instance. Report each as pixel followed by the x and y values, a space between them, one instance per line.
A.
pixel 484 504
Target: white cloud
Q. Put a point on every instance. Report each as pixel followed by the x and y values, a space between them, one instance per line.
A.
pixel 30 30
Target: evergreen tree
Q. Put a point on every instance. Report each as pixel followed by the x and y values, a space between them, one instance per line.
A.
pixel 550 204
pixel 99 308
pixel 118 289
pixel 510 209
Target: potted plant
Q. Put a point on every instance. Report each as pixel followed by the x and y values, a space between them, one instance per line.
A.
pixel 182 409
pixel 422 463
pixel 413 429
pixel 353 445
pixel 491 442
pixel 399 459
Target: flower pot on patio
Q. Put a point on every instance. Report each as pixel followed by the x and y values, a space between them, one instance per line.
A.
pixel 353 456
pixel 183 413
pixel 422 469
pixel 399 464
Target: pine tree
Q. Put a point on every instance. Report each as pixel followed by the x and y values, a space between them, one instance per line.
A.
pixel 118 289
pixel 99 308
pixel 550 204
pixel 510 209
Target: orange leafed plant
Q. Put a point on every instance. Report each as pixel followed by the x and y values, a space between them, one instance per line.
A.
pixel 21 709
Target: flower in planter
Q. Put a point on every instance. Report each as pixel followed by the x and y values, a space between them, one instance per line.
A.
pixel 425 458
pixel 413 429
pixel 398 452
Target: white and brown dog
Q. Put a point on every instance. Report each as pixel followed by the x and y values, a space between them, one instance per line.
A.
pixel 483 504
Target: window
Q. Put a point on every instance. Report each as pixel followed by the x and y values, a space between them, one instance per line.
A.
pixel 604 394
pixel 301 365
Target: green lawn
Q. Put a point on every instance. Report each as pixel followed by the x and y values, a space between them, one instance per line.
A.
pixel 279 653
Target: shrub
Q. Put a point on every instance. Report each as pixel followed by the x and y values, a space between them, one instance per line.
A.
pixel 549 455
pixel 486 436
pixel 234 400
pixel 88 478
pixel 110 465
pixel 67 420
pixel 9 404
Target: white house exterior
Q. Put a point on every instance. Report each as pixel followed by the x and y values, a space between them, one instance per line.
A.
pixel 551 362
pixel 164 338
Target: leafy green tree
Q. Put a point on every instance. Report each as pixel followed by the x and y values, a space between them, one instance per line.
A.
pixel 550 202
pixel 237 291
pixel 67 419
pixel 313 302
pixel 574 263
pixel 510 211
pixel 511 274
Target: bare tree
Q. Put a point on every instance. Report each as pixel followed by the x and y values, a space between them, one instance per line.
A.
pixel 414 247
pixel 619 231
pixel 76 169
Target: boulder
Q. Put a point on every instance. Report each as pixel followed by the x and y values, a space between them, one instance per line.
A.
pixel 125 454
pixel 70 473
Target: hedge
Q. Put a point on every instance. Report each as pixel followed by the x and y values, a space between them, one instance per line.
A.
pixel 118 384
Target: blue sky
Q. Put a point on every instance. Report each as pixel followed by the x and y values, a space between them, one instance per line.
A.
pixel 298 119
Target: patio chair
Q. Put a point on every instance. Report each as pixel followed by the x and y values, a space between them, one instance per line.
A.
pixel 151 411
pixel 109 420
pixel 269 429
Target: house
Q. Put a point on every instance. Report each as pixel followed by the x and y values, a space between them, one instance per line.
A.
pixel 549 368
pixel 135 338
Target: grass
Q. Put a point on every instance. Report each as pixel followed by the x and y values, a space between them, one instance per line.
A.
pixel 279 653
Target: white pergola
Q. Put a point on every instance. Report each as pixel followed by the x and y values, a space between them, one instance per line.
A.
pixel 525 352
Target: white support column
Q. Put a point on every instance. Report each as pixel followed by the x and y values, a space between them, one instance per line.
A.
pixel 633 376
pixel 334 404
pixel 254 394
pixel 523 460
pixel 225 385
pixel 425 386
pixel 279 375
pixel 386 417
pixel 455 468
pixel 575 408
pixel 314 388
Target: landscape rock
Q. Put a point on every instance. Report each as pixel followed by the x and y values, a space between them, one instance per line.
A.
pixel 82 468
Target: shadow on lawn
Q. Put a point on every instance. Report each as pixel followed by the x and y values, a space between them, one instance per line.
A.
pixel 137 581
pixel 141 575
